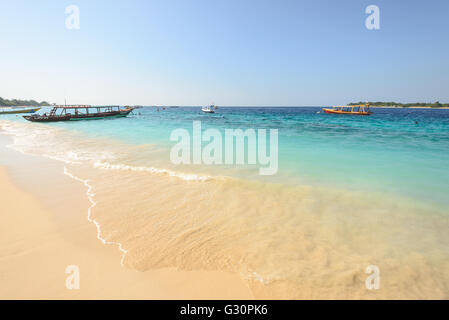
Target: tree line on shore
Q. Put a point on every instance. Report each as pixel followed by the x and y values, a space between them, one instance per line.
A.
pixel 404 105
pixel 17 102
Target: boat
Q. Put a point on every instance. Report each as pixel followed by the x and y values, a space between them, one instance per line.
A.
pixel 209 109
pixel 17 110
pixel 359 109
pixel 80 112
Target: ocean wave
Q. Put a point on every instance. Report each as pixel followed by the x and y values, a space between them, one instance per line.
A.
pixel 69 148
pixel 123 167
pixel 52 143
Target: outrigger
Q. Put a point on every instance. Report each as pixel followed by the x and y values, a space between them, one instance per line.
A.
pixel 17 110
pixel 359 109
pixel 80 112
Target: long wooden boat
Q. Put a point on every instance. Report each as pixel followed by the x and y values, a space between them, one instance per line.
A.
pixel 80 112
pixel 359 109
pixel 17 110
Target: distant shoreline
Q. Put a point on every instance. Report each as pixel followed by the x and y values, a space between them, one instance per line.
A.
pixel 414 107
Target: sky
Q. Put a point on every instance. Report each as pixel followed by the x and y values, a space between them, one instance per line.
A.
pixel 227 52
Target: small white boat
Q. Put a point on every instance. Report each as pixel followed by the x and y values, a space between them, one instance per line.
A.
pixel 209 109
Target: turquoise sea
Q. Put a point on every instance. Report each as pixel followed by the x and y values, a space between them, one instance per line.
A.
pixel 350 192
pixel 403 151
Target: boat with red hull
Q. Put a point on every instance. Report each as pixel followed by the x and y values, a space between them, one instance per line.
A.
pixel 80 112
pixel 358 110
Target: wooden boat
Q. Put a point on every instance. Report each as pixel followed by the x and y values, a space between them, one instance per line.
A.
pixel 359 109
pixel 17 110
pixel 209 109
pixel 80 112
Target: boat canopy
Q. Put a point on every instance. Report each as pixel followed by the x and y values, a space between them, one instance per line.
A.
pixel 80 109
pixel 354 108
pixel 76 106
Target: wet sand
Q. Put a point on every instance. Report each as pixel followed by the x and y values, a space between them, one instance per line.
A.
pixel 41 237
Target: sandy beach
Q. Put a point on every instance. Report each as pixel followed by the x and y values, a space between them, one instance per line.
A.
pixel 39 239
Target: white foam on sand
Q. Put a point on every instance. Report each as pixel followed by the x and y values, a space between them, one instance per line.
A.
pixel 53 143
pixel 90 197
pixel 50 142
pixel 123 167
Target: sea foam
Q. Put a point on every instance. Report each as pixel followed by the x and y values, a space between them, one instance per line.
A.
pixel 90 197
pixel 123 167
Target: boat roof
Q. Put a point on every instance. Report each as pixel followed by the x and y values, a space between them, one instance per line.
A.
pixel 83 107
pixel 354 105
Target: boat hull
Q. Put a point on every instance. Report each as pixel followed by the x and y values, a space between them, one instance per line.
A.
pixel 99 116
pixel 47 119
pixel 69 117
pixel 20 111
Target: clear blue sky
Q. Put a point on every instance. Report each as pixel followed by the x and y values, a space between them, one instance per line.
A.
pixel 190 52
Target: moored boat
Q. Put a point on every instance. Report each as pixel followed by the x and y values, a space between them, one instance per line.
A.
pixel 18 110
pixel 80 112
pixel 209 109
pixel 359 109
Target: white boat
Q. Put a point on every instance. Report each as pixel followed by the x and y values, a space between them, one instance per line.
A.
pixel 209 109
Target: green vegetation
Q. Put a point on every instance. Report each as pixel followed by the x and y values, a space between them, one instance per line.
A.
pixel 404 105
pixel 15 102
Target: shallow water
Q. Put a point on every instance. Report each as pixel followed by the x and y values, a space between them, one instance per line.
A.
pixel 387 151
pixel 350 192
